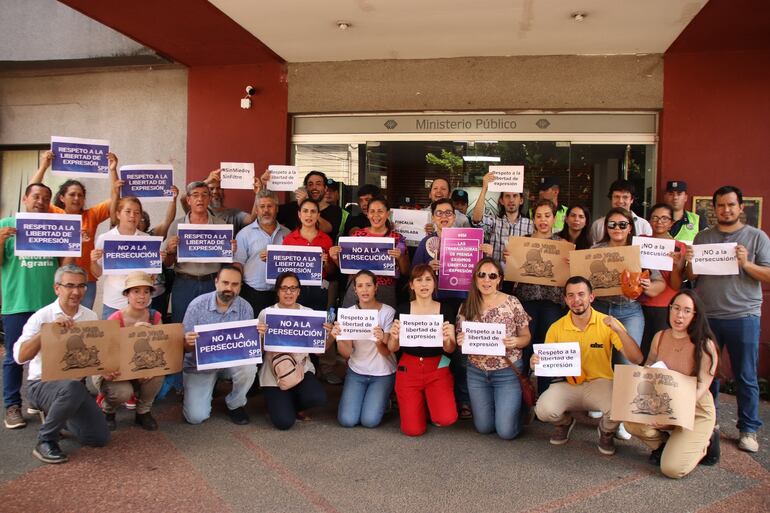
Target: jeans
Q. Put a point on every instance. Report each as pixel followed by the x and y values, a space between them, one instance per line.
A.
pixel 283 405
pixel 741 336
pixel 199 388
pixel 90 296
pixel 13 373
pixel 496 400
pixel 543 313
pixel 364 399
pixel 632 318
pixel 68 403
pixel 184 291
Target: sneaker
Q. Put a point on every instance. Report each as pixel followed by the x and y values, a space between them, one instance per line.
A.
pixel 747 442
pixel 714 452
pixel 146 420
pixel 594 414
pixel 239 416
pixel 606 444
pixel 561 433
pixel 131 403
pixel 99 399
pixel 621 433
pixel 14 418
pixel 656 455
pixel 112 424
pixel 31 410
pixel 49 452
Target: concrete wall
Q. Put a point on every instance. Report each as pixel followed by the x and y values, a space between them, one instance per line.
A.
pixel 508 83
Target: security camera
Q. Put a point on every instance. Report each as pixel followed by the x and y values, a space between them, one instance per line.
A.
pixel 250 90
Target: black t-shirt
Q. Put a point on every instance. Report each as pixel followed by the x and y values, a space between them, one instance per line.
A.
pixel 360 221
pixel 288 217
pixel 424 352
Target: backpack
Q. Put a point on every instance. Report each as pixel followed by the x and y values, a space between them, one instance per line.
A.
pixel 287 370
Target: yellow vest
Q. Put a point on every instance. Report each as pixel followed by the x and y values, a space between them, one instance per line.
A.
pixel 689 230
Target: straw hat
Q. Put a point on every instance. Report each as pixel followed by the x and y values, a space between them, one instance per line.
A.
pixel 138 279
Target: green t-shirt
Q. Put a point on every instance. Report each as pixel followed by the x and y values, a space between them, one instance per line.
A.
pixel 27 281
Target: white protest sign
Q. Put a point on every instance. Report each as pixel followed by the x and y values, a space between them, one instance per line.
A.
pixel 717 259
pixel 562 359
pixel 410 224
pixel 421 331
pixel 654 253
pixel 507 179
pixel 483 338
pixel 283 178
pixel 236 175
pixel 356 324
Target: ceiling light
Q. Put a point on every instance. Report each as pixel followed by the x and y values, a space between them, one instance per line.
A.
pixel 579 16
pixel 344 25
pixel 480 158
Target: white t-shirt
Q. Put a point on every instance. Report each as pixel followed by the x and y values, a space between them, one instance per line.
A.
pixel 113 284
pixel 32 328
pixel 365 358
pixel 266 376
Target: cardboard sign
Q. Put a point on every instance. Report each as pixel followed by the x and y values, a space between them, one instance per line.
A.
pixel 603 267
pixel 123 255
pixel 410 224
pixel 236 175
pixel 356 324
pixel 148 351
pixel 507 179
pixel 460 252
pixel 227 344
pixel 483 338
pixel 538 261
pixel 305 261
pixel 557 360
pixel 284 178
pixel 655 253
pixel 148 182
pixel 646 395
pixel 205 243
pixel 48 235
pixel 370 253
pixel 295 331
pixel 716 259
pixel 75 157
pixel 421 331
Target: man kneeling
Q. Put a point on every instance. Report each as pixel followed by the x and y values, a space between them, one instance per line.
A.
pixel 597 334
pixel 64 402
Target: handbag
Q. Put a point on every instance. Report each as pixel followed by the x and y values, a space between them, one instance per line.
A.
pixel 528 392
pixel 287 370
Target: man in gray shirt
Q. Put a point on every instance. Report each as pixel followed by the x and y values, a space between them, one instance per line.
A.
pixel 733 304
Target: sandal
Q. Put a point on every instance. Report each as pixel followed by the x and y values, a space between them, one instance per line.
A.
pixel 465 412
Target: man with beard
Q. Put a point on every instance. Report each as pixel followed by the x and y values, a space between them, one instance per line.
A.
pixel 734 302
pixel 252 251
pixel 222 305
pixel 597 334
pixel 237 218
pixel 686 224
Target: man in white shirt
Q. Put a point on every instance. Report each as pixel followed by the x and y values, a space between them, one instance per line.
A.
pixel 64 402
pixel 622 195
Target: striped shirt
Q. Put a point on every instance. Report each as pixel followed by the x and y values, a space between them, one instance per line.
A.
pixel 498 229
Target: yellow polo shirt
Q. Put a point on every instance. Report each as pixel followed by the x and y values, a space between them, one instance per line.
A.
pixel 595 341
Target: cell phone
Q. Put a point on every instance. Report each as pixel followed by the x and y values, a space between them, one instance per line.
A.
pixel 331 315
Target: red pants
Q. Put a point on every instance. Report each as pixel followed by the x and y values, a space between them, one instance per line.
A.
pixel 419 380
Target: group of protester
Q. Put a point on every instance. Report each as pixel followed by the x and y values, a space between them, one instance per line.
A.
pixel 669 323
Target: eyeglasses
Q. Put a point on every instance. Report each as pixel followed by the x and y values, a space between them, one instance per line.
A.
pixel 444 213
pixel 288 288
pixel 617 224
pixel 677 309
pixel 492 276
pixel 660 219
pixel 200 195
pixel 73 286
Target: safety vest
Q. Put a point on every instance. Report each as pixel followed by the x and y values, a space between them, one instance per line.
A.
pixel 690 229
pixel 558 222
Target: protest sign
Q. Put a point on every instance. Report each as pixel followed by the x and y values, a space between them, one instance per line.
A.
pixel 538 261
pixel 305 261
pixel 410 224
pixel 295 331
pixel 205 243
pixel 370 253
pixel 483 338
pixel 123 255
pixel 73 157
pixel 48 235
pixel 652 395
pixel 507 179
pixel 421 331
pixel 715 259
pixel 603 267
pixel 655 253
pixel 284 178
pixel 148 351
pixel 86 349
pixel 356 324
pixel 460 252
pixel 562 359
pixel 236 175
pixel 227 344
pixel 148 182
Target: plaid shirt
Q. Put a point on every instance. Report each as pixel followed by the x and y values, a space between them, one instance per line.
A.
pixel 498 229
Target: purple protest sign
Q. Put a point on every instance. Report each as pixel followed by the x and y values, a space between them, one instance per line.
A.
pixel 305 261
pixel 295 331
pixel 148 182
pixel 79 157
pixel 227 344
pixel 47 235
pixel 460 251
pixel 205 243
pixel 370 253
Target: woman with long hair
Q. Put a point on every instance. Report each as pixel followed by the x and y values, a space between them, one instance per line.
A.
pixel 493 383
pixel 577 227
pixel 423 377
pixel 687 347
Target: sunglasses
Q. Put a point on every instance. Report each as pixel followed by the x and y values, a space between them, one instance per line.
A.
pixel 617 224
pixel 492 276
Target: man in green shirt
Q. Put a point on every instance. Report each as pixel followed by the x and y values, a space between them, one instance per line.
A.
pixel 26 284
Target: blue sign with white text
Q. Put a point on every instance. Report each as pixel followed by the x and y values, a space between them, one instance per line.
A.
pixel 367 253
pixel 298 331
pixel 48 235
pixel 148 183
pixel 228 344
pixel 205 243
pixel 79 157
pixel 125 254
pixel 306 262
